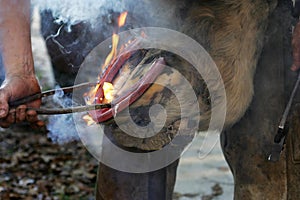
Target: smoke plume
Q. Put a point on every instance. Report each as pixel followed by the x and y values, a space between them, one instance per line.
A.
pixel 61 127
pixel 72 12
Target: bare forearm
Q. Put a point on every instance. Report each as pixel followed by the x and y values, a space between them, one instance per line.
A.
pixel 15 41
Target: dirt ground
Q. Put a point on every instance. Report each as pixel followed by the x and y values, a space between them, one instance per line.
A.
pixel 33 167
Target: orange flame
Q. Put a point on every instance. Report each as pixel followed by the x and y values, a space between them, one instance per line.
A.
pixel 108 88
pixel 113 52
pixel 115 40
pixel 91 95
pixel 88 119
pixel 122 19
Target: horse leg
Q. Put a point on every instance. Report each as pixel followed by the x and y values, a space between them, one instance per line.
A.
pixel 248 144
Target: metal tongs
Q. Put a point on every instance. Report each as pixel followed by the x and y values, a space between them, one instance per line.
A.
pixel 280 137
pixel 59 110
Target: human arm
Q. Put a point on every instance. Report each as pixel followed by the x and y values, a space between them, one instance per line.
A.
pixel 15 47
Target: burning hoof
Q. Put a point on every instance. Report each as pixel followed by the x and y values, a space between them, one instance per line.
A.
pixel 149 104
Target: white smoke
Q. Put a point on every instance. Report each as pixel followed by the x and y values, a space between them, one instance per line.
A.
pixel 74 11
pixel 61 127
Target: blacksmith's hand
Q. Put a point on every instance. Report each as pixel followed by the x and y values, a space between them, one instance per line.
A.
pixel 14 87
pixel 17 60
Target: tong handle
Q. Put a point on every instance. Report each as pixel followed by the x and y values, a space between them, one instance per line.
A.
pixel 70 89
pixel 77 109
